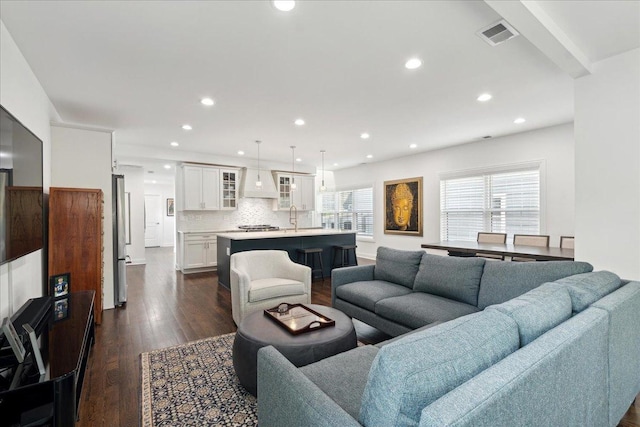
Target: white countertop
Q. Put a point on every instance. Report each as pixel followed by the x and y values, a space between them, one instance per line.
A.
pixel 282 234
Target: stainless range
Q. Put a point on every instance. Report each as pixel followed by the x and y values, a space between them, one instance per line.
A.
pixel 259 227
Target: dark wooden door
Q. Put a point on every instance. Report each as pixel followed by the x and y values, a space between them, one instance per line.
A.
pixel 75 239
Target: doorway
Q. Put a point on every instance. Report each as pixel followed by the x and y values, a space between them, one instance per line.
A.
pixel 152 217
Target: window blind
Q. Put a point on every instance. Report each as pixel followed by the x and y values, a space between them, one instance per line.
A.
pixel 348 210
pixel 499 202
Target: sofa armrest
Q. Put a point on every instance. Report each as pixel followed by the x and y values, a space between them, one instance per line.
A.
pixel 286 397
pixel 344 275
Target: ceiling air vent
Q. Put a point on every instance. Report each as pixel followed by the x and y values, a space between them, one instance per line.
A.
pixel 497 33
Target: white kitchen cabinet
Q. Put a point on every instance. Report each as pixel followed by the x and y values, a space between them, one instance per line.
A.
pixel 201 188
pixel 303 196
pixel 199 252
pixel 230 182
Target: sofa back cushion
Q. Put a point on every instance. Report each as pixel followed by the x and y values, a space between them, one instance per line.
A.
pixel 537 311
pixel 397 266
pixel 456 278
pixel 587 288
pixel 502 281
pixel 414 371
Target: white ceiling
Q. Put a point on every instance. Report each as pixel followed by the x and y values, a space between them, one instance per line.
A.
pixel 141 67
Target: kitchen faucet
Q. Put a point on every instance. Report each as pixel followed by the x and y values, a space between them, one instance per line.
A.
pixel 293 217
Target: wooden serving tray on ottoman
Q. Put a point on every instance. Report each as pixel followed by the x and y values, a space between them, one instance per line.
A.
pixel 298 318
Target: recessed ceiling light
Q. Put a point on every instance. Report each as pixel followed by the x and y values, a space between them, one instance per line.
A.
pixel 413 145
pixel 207 101
pixel 174 144
pixel 186 127
pixel 484 97
pixel 167 166
pixel 154 182
pixel 369 156
pixel 240 152
pixel 519 120
pixel 364 135
pixel 298 159
pixel 284 5
pixel 413 63
pixel 335 164
pixel 299 122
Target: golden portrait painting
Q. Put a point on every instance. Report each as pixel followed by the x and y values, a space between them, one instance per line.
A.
pixel 403 206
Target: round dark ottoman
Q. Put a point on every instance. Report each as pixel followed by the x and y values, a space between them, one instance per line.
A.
pixel 257 331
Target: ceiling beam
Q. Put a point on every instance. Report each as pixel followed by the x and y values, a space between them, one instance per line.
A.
pixel 531 21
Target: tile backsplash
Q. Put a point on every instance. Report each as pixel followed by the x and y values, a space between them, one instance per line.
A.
pixel 250 211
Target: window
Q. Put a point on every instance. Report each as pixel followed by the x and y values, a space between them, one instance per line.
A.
pixel 348 210
pixel 499 202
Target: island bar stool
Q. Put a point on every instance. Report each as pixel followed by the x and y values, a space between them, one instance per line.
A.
pixel 342 255
pixel 304 253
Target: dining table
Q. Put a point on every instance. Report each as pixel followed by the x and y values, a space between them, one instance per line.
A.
pixel 466 248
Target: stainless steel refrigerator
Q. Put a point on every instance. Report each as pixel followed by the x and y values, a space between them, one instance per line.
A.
pixel 119 242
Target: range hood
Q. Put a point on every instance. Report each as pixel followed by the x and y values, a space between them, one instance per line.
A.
pixel 248 184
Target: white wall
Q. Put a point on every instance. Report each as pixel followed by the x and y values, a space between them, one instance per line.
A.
pixel 607 129
pixel 22 95
pixel 81 158
pixel 134 184
pixel 167 223
pixel 553 146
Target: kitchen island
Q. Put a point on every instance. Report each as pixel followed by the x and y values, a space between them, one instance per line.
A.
pixel 288 240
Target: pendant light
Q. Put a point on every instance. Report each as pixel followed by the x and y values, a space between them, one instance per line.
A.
pixel 322 187
pixel 258 182
pixel 293 167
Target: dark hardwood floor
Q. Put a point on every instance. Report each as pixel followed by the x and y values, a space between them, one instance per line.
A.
pixel 167 308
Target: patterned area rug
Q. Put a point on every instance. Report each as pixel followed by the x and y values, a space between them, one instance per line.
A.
pixel 194 384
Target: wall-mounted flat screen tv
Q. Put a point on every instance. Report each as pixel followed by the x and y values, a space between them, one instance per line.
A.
pixel 21 196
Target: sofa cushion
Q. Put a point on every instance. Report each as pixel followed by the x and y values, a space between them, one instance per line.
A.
pixel 396 266
pixel 409 374
pixel 418 309
pixel 343 376
pixel 537 311
pixel 450 277
pixel 263 289
pixel 502 281
pixel 366 294
pixel 587 288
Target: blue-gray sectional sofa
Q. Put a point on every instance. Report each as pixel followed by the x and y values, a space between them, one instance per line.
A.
pixel 565 352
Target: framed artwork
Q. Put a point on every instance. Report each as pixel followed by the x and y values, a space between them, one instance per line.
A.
pixel 60 285
pixel 403 206
pixel 170 207
pixel 60 309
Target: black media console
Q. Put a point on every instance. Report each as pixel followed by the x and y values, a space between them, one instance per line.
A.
pixel 66 333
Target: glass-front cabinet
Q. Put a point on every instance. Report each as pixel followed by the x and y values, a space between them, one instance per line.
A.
pixel 229 181
pixel 284 191
pixel 302 197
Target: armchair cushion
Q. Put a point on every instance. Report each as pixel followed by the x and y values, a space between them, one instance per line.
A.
pixel 263 289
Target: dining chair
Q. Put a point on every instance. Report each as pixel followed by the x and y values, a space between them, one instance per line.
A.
pixel 484 237
pixel 566 242
pixel 529 240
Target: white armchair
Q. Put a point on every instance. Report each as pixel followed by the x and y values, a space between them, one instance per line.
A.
pixel 263 279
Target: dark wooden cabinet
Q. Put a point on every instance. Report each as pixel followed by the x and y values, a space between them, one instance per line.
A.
pixel 66 339
pixel 76 218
